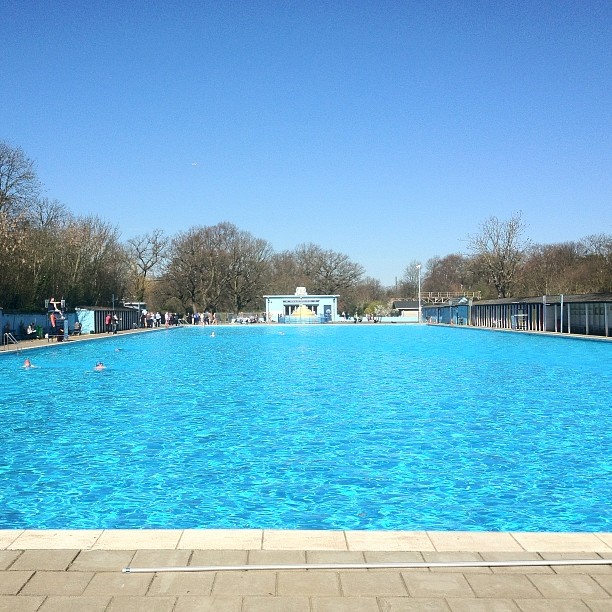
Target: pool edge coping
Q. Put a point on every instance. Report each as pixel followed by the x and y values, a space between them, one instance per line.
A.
pixel 279 539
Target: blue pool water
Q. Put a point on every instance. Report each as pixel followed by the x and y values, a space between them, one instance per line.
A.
pixel 310 427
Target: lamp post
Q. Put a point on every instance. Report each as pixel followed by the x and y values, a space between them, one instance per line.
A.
pixel 419 269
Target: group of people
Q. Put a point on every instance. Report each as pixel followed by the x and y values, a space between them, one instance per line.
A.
pixel 205 318
pixel 150 319
pixel 111 322
pixel 27 364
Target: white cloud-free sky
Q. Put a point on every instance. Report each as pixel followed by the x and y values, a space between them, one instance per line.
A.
pixel 386 130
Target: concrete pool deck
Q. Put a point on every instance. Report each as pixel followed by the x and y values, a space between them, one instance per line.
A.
pixel 82 570
pixel 28 344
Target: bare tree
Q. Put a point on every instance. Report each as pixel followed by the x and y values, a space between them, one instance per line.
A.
pixel 550 268
pixel 13 259
pixel 368 296
pixel 583 266
pixel 409 283
pixel 450 273
pixel 285 273
pixel 44 214
pixel 147 254
pixel 197 270
pixel 598 262
pixel 19 185
pixel 248 261
pixel 327 272
pixel 92 264
pixel 184 277
pixel 500 249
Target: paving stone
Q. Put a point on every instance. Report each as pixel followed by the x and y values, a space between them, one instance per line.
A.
pixel 389 540
pixel 57 583
pixel 161 558
pixel 561 542
pixel 456 557
pixel 141 604
pixel 134 539
pixel 57 560
pixel 8 537
pixel 19 603
pixel 182 584
pixel 280 539
pixel 393 556
pixel 582 569
pixel 520 555
pixel 431 584
pixel 219 557
pixel 209 604
pixel 345 604
pixel 244 583
pixel 220 539
pixel 605 581
pixel 606 538
pixel 372 582
pixel 52 539
pixel 568 586
pixel 276 604
pixel 482 605
pixel 334 556
pixel 75 604
pixel 517 556
pixel 381 556
pixel 11 582
pixel 578 569
pixel 552 605
pixel 62 579
pixel 116 583
pixel 308 582
pixel 475 541
pixel 599 605
pixel 536 569
pixel 277 557
pixel 8 557
pixel 412 604
pixel 102 560
pixel 502 586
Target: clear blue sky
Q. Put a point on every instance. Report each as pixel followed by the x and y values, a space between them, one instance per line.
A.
pixel 384 130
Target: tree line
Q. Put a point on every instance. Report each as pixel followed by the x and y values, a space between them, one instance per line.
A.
pixel 502 262
pixel 48 251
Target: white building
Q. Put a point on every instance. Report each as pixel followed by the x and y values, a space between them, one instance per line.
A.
pixel 301 308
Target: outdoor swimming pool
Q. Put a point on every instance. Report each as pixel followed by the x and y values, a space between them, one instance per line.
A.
pixel 309 427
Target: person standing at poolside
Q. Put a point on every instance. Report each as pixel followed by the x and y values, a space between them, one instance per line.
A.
pixel 53 321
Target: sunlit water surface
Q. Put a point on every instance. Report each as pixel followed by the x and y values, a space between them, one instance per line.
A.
pixel 310 427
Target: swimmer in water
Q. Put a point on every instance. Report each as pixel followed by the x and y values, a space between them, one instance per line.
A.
pixel 100 366
pixel 212 335
pixel 27 363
